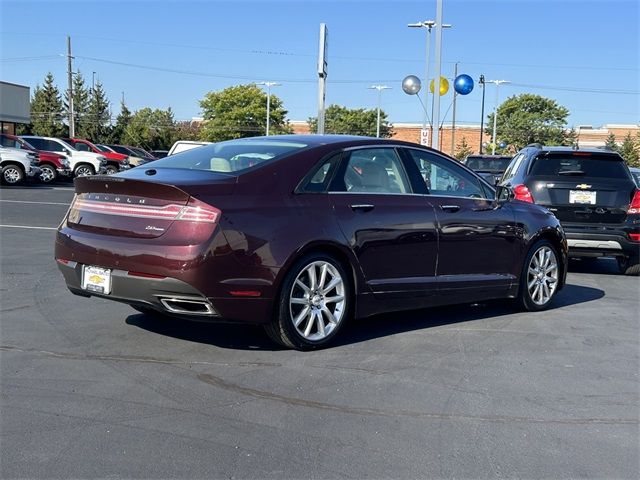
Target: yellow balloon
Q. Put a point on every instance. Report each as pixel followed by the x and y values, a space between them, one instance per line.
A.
pixel 444 86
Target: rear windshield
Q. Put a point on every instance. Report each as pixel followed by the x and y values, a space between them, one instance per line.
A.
pixel 231 156
pixel 597 166
pixel 488 164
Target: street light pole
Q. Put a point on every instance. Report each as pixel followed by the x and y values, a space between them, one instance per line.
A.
pixel 435 116
pixel 497 83
pixel 269 85
pixel 428 24
pixel 379 88
pixel 481 82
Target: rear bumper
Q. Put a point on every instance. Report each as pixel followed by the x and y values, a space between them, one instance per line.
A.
pixel 171 296
pixel 602 240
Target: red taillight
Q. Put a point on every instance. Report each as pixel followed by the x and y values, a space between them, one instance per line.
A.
pixel 194 211
pixel 522 193
pixel 634 206
pixel 245 293
pixel 62 261
pixel 635 237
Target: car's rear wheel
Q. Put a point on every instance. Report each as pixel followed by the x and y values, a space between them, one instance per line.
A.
pixel 313 305
pixel 12 175
pixel 540 277
pixel 48 174
pixel 629 265
pixel 83 170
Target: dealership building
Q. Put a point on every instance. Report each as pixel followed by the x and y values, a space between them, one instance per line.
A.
pixel 15 107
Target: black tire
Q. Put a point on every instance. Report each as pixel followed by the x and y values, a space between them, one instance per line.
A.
pixel 12 174
pixel 629 266
pixel 282 329
pixel 49 174
pixel 525 300
pixel 111 169
pixel 84 169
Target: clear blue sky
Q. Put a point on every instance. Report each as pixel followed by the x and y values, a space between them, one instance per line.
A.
pixel 587 51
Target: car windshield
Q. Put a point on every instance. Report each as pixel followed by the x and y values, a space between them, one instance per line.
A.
pixel 139 151
pixel 581 164
pixel 230 156
pixel 102 148
pixel 484 164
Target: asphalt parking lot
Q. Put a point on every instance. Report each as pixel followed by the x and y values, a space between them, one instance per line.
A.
pixel 91 388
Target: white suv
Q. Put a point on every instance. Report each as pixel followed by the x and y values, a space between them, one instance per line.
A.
pixel 17 164
pixel 81 163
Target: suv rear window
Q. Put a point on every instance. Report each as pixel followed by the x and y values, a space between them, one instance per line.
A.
pixel 488 164
pixel 230 156
pixel 581 165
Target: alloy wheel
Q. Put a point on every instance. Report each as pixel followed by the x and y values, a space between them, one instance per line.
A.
pixel 542 276
pixel 12 175
pixel 47 175
pixel 83 171
pixel 317 301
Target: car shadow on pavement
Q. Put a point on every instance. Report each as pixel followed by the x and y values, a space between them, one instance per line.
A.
pixel 600 266
pixel 252 337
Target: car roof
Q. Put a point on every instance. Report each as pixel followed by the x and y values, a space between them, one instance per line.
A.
pixel 563 149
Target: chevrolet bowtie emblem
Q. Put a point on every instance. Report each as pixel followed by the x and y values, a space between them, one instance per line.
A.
pixel 583 186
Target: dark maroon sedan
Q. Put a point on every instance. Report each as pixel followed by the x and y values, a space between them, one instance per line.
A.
pixel 300 233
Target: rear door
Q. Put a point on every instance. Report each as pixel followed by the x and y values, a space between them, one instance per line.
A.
pixel 390 229
pixel 582 187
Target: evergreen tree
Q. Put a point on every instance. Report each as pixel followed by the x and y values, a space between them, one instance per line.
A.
pixel 47 110
pixel 463 149
pixel 150 129
pixel 80 105
pixel 629 151
pixel 570 138
pixel 611 144
pixel 122 122
pixel 98 116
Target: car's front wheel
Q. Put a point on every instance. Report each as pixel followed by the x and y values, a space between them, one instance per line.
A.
pixel 314 303
pixel 84 170
pixel 540 277
pixel 111 170
pixel 48 174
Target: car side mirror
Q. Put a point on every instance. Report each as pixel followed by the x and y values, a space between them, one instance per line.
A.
pixel 504 193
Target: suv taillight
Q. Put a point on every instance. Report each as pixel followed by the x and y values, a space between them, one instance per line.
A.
pixel 634 206
pixel 522 193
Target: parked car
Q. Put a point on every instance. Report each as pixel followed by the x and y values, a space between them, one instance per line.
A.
pixel 319 229
pixel 52 165
pixel 116 162
pixel 489 167
pixel 592 193
pixel 142 152
pixel 636 175
pixel 17 164
pixel 159 153
pixel 135 158
pixel 184 145
pixel 81 163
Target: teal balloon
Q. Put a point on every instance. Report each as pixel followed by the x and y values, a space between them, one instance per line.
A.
pixel 463 84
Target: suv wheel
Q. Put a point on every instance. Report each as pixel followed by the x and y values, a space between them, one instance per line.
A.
pixel 83 170
pixel 111 169
pixel 12 175
pixel 313 305
pixel 48 174
pixel 629 265
pixel 539 278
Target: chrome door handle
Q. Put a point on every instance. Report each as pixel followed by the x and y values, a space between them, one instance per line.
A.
pixel 450 208
pixel 363 207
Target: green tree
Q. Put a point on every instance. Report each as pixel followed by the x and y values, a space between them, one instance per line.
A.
pixel 611 144
pixel 463 149
pixel 116 135
pixel 98 117
pixel 629 151
pixel 47 110
pixel 150 129
pixel 186 131
pixel 241 111
pixel 352 121
pixel 80 105
pixel 529 118
pixel 570 138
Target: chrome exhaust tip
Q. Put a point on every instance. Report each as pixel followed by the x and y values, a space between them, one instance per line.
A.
pixel 187 305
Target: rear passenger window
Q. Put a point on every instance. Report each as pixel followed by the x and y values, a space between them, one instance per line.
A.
pixel 373 170
pixel 320 179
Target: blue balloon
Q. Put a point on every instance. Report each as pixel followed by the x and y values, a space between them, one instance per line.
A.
pixel 502 144
pixel 463 84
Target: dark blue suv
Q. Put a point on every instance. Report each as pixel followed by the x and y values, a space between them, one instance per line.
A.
pixel 590 191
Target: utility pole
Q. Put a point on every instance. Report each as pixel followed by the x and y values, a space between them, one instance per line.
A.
pixel 269 85
pixel 72 126
pixel 379 88
pixel 495 113
pixel 453 122
pixel 436 85
pixel 481 81
pixel 322 75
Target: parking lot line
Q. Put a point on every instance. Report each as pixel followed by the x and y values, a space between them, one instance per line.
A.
pixel 29 227
pixel 39 203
